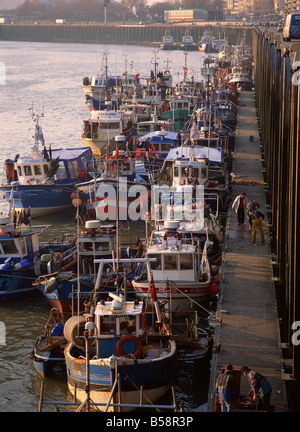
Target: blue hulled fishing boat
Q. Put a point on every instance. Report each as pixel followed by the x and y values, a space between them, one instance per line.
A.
pixel 20 252
pixel 118 353
pixel 43 181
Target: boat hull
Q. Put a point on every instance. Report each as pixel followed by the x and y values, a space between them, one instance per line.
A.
pixel 65 297
pixel 99 146
pixel 15 284
pixel 154 374
pixel 41 199
pixel 183 297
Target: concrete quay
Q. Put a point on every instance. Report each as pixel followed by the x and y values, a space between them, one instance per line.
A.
pixel 247 328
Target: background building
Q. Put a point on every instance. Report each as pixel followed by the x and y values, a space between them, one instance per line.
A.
pixel 188 15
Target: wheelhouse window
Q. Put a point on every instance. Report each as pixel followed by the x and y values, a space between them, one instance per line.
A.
pixel 107 325
pixel 102 246
pixel 73 169
pixel 9 247
pixel 170 262
pixel 109 125
pixel 203 172
pixel 46 169
pixel 22 245
pixel 86 246
pixel 127 324
pixel 176 173
pixel 157 264
pixel 61 171
pixel 186 262
pixel 37 170
pixel 27 170
pixel 194 172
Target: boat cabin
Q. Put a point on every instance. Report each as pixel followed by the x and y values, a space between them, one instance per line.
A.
pixel 153 125
pixel 187 38
pixel 175 260
pixel 13 247
pixel 152 94
pixel 112 317
pixel 95 242
pixel 58 166
pixel 139 111
pixel 158 143
pixel 115 319
pixel 190 172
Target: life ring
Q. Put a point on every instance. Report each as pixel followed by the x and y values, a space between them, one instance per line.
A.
pixel 153 79
pixel 132 338
pixel 172 233
pixel 167 72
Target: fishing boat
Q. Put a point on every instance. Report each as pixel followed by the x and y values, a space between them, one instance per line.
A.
pixel 206 42
pixel 179 111
pixel 122 172
pixel 241 80
pixel 43 180
pixel 181 276
pixel 100 130
pixel 216 180
pixel 67 289
pixel 188 43
pixel 102 87
pixel 153 125
pixel 168 42
pixel 220 44
pixel 20 251
pixel 190 207
pixel 48 349
pixel 154 147
pixel 99 89
pixel 118 362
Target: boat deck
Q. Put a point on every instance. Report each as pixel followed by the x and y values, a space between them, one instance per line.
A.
pixel 247 326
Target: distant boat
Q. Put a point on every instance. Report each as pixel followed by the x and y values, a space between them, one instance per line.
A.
pixel 209 44
pixel 241 81
pixel 43 180
pixel 168 42
pixel 206 42
pixel 188 43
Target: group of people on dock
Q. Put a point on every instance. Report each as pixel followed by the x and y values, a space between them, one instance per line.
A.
pixel 244 207
pixel 227 392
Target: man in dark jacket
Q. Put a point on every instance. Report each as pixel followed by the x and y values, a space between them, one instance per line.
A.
pixel 260 388
pixel 226 389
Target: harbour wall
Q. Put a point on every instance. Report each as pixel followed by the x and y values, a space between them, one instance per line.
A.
pixel 277 92
pixel 126 34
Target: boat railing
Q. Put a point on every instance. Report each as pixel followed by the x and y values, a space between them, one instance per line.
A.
pixel 37 229
pixel 93 406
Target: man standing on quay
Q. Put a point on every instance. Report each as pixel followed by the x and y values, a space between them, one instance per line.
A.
pixel 239 206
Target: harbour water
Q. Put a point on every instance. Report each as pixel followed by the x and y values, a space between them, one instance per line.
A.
pixel 48 78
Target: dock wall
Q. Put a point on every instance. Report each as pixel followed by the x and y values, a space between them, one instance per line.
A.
pixel 277 93
pixel 101 33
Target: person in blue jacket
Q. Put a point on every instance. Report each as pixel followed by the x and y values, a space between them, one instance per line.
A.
pixel 260 388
